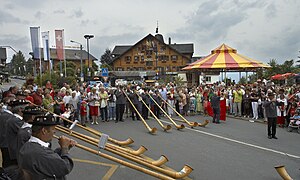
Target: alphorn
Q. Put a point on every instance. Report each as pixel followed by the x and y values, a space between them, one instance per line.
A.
pixel 183 173
pixel 162 160
pixel 192 124
pixel 151 130
pixel 165 127
pixel 283 173
pixel 93 131
pixel 175 124
pixel 199 124
pixel 122 162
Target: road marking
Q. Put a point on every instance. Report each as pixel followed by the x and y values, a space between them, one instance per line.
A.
pixel 240 142
pixel 109 173
pixel 1 159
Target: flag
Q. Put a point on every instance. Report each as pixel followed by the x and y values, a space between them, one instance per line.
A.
pixel 35 41
pixel 59 38
pixel 46 48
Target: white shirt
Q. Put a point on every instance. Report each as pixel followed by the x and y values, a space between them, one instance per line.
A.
pixel 37 140
pixel 66 99
pixel 18 116
pixel 25 125
pixel 278 109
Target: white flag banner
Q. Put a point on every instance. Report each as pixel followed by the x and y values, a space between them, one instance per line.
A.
pixel 46 48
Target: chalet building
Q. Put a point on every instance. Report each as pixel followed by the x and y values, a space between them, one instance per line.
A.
pixel 152 54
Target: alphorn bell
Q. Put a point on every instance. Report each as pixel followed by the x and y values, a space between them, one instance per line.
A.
pixel 183 173
pixel 162 160
pixel 122 162
pixel 165 127
pixel 95 132
pixel 191 124
pixel 199 124
pixel 151 130
pixel 283 173
pixel 174 123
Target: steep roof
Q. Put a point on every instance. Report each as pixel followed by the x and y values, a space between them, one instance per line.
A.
pixel 183 48
pixel 73 54
pixel 180 48
pixel 118 50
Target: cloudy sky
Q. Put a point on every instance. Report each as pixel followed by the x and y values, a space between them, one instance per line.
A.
pixel 258 29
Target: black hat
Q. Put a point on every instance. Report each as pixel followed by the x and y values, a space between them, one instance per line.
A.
pixel 33 110
pixel 46 120
pixel 271 94
pixel 18 103
pixel 20 93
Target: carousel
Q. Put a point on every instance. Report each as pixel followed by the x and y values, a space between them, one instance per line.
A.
pixel 223 59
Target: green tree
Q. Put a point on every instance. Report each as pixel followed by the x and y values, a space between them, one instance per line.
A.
pixel 18 64
pixel 106 57
pixel 29 67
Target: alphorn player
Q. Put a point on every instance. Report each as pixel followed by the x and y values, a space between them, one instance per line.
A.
pixel 37 160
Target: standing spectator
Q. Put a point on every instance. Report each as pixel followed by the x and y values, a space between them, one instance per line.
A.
pixel 67 97
pixel 146 99
pixel 94 105
pixel 271 114
pixel 111 105
pixel 48 85
pixel 171 101
pixel 254 102
pixel 215 104
pixel 48 102
pixel 74 101
pixel 83 112
pixel 28 97
pixel 281 110
pixel 103 104
pixel 120 104
pixel 156 98
pixel 11 91
pixel 237 101
pixel 199 102
pixel 38 96
pixel 247 104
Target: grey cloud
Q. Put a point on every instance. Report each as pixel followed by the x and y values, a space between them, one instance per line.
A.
pixel 271 10
pixel 39 15
pixel 84 22
pixel 9 18
pixel 77 13
pixel 100 43
pixel 9 6
pixel 59 11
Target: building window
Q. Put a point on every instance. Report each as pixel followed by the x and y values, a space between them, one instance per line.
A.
pixel 142 58
pixel 128 68
pixel 149 63
pixel 119 69
pixel 174 57
pixel 136 59
pixel 141 69
pixel 128 58
pixel 208 78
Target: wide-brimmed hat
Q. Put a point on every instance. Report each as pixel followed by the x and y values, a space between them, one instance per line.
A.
pixel 33 110
pixel 271 94
pixel 46 120
pixel 19 102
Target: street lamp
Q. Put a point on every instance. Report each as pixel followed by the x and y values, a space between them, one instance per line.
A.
pixel 88 37
pixel 81 74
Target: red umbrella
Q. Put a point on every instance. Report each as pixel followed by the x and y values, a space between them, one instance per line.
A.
pixel 277 77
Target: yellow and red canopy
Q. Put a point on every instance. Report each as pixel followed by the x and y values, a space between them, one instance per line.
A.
pixel 225 57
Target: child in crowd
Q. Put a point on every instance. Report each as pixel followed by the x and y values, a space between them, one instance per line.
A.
pixel 83 112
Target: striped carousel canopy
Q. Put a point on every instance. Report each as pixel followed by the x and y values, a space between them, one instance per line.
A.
pixel 225 57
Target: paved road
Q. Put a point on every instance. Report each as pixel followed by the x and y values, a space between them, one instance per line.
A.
pixel 14 82
pixel 234 149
